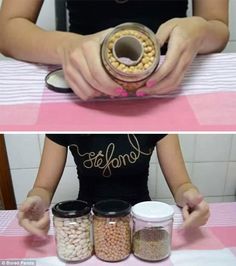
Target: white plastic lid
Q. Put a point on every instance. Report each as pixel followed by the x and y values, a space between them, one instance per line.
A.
pixel 152 211
pixel 55 81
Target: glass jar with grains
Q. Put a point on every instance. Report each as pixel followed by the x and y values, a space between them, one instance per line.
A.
pixel 73 229
pixel 112 230
pixel 152 230
pixel 130 54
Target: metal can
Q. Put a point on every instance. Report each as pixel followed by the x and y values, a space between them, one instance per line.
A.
pixel 130 54
pixel 112 230
pixel 152 230
pixel 73 230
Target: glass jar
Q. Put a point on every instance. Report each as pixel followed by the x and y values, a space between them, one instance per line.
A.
pixel 112 230
pixel 152 230
pixel 73 228
pixel 130 54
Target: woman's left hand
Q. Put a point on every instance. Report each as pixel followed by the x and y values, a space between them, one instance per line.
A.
pixel 195 209
pixel 184 37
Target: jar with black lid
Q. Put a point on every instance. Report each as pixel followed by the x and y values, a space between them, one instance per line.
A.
pixel 73 230
pixel 112 230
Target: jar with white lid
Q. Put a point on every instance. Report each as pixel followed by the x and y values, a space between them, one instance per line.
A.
pixel 152 230
pixel 112 230
pixel 73 230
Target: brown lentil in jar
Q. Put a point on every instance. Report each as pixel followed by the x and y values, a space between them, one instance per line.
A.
pixel 151 244
pixel 130 54
pixel 112 232
pixel 152 230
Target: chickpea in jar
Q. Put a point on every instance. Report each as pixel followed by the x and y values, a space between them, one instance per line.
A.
pixel 130 54
pixel 112 231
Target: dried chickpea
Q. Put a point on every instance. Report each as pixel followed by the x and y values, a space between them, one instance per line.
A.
pixel 131 71
pixel 111 230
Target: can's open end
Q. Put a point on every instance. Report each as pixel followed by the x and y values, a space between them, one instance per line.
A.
pixel 128 50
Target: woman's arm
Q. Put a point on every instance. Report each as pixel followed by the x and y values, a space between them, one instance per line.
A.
pixel 21 38
pixel 173 166
pixel 79 55
pixel 50 171
pixel 215 13
pixel 33 215
pixel 195 209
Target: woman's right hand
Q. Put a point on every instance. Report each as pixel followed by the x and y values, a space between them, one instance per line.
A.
pixel 82 66
pixel 34 217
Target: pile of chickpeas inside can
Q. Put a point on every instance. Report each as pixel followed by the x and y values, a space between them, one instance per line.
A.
pixel 130 54
pixel 112 230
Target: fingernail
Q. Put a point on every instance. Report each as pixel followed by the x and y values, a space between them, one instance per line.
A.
pixel 124 94
pixel 150 83
pixel 119 90
pixel 140 93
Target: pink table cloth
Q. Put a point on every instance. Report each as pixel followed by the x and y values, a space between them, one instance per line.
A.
pixel 205 101
pixel 212 244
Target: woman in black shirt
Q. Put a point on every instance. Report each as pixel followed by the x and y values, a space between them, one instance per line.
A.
pixel 89 17
pixel 111 166
pixel 205 32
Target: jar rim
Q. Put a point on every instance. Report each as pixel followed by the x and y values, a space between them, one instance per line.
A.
pixel 153 211
pixel 71 209
pixel 112 208
pixel 130 77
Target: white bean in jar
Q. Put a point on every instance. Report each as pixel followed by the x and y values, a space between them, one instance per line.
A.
pixel 73 231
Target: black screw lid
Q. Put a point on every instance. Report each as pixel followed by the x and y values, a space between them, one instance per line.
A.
pixel 111 208
pixel 71 209
pixel 50 84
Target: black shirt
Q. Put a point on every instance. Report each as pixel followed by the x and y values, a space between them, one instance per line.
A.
pixel 90 16
pixel 112 165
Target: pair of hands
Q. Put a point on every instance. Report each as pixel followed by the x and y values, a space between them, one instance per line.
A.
pixel 33 217
pixel 80 59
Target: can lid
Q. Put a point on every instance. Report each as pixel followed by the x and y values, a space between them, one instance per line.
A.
pixel 152 211
pixel 111 208
pixel 71 209
pixel 55 81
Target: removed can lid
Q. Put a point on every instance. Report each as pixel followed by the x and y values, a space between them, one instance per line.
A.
pixel 55 81
pixel 152 211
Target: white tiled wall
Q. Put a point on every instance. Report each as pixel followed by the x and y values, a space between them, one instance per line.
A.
pixel 47 21
pixel 210 160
